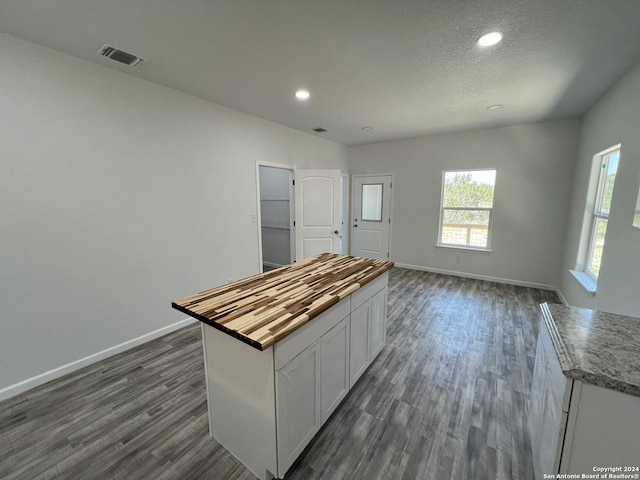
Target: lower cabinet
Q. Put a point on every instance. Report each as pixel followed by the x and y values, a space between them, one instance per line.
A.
pixel 368 333
pixel 378 324
pixel 298 404
pixel 359 351
pixel 266 406
pixel 577 427
pixel 308 389
pixel 548 406
pixel 334 365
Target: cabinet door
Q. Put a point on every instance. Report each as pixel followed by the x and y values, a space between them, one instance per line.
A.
pixel 536 406
pixel 547 420
pixel 335 367
pixel 551 430
pixel 378 324
pixel 359 354
pixel 298 405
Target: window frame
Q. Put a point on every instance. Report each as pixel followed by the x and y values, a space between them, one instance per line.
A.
pixel 475 248
pixel 596 213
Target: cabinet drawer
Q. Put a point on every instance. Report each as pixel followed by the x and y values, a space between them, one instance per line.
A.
pixel 369 290
pixel 295 343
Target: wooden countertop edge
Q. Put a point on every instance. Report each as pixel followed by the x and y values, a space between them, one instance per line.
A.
pixel 375 273
pixel 217 326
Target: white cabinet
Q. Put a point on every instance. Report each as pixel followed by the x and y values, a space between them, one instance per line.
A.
pixel 298 404
pixel 359 352
pixel 576 426
pixel 378 326
pixel 311 379
pixel 266 406
pixel 368 326
pixel 547 416
pixel 334 366
pixel 309 388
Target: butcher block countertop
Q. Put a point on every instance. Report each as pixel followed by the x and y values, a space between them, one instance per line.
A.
pixel 263 309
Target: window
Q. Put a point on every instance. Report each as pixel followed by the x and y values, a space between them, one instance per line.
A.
pixel 371 202
pixel 607 164
pixel 466 209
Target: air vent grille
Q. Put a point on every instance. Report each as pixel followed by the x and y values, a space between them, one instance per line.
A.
pixel 120 56
pixel 321 129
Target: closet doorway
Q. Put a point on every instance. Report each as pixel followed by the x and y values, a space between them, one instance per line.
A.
pixel 277 235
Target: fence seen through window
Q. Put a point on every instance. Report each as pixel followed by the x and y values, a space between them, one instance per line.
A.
pixel 467 208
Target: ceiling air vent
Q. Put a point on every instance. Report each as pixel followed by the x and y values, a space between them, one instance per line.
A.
pixel 320 129
pixel 121 56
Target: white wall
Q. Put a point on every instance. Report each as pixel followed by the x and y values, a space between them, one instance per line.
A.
pixel 117 196
pixel 533 187
pixel 612 120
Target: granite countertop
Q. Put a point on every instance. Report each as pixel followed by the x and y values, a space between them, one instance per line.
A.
pixel 263 309
pixel 596 347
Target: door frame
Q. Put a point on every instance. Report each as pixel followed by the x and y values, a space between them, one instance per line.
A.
pixel 345 212
pixel 292 232
pixel 354 176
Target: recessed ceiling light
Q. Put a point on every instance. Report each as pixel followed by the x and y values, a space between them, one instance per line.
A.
pixel 302 94
pixel 489 39
pixel 367 128
pixel 494 107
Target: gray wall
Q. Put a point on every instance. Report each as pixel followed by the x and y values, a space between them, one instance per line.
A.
pixel 117 196
pixel 533 186
pixel 614 119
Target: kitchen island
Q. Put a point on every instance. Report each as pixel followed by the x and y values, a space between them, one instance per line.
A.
pixel 282 349
pixel 584 412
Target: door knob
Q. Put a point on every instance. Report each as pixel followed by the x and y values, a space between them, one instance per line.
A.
pixel 336 232
pixel 355 226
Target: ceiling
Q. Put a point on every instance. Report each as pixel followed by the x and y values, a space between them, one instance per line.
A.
pixel 405 68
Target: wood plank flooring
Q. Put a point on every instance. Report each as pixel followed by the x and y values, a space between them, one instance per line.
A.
pixel 446 399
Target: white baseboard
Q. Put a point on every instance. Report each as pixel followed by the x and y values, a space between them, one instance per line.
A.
pixel 23 386
pixel 509 281
pixel 560 296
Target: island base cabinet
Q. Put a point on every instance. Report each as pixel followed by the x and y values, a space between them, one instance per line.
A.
pixel 378 323
pixel 334 367
pixel 359 351
pixel 308 389
pixel 266 406
pixel 241 401
pixel 298 399
pixel 368 330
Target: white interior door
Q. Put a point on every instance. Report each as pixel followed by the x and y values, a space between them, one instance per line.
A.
pixel 317 204
pixel 371 214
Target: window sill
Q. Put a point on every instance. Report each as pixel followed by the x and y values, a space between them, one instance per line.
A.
pixel 585 280
pixel 462 247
